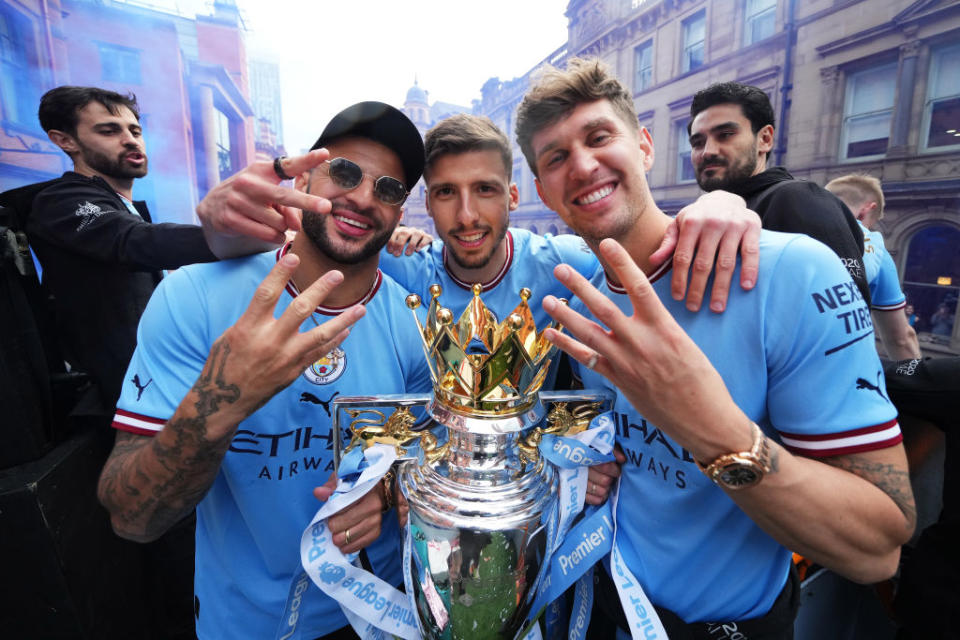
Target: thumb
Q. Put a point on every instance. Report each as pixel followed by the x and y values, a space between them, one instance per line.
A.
pixel 667 246
pixel 324 491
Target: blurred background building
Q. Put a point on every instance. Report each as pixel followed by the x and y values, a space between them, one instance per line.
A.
pixel 858 86
pixel 868 86
pixel 191 76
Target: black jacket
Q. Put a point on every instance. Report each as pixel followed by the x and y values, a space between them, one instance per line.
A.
pixel 101 263
pixel 798 206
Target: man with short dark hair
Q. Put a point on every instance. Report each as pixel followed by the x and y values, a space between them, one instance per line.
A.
pixel 863 195
pixel 731 135
pixel 101 255
pixel 238 362
pixel 747 434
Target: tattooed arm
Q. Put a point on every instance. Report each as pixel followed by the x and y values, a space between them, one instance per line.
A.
pixel 148 484
pixel 849 513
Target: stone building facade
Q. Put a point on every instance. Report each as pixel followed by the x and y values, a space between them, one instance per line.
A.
pixel 858 86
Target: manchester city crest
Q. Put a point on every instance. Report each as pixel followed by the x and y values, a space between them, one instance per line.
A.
pixel 328 368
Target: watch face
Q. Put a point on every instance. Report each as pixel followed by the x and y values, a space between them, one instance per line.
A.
pixel 737 476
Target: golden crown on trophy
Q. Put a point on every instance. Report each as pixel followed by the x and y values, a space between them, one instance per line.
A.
pixel 480 366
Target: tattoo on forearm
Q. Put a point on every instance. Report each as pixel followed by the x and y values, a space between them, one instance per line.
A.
pixel 210 387
pixel 889 478
pixel 150 503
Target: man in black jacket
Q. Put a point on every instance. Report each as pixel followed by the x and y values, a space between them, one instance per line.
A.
pixel 731 135
pixel 100 253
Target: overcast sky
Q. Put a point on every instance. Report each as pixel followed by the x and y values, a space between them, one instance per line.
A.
pixel 334 53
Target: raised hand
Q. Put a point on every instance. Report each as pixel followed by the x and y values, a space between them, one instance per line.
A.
pixel 260 354
pixel 708 234
pixel 254 204
pixel 408 240
pixel 649 358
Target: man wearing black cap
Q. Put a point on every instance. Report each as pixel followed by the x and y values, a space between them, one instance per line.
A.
pixel 239 425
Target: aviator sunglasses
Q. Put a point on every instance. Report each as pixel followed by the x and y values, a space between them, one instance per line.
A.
pixel 348 175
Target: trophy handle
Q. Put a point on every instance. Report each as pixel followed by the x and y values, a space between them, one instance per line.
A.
pixel 561 421
pixel 395 430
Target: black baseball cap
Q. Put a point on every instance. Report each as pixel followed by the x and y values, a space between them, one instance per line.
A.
pixel 381 123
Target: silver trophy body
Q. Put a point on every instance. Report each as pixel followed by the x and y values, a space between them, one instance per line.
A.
pixel 477 525
pixel 479 493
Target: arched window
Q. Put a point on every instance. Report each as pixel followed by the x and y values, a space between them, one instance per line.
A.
pixel 533 229
pixel 931 280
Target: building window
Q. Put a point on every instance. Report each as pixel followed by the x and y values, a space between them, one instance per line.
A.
pixel 942 108
pixel 224 156
pixel 119 64
pixel 643 66
pixel 694 39
pixel 931 280
pixel 868 111
pixel 685 172
pixel 18 85
pixel 760 20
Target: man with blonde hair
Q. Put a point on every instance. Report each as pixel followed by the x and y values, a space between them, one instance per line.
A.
pixel 863 195
pixel 748 433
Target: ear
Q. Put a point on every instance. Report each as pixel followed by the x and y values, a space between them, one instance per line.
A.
pixel 403 210
pixel 646 145
pixel 543 196
pixel 426 202
pixel 514 196
pixel 765 139
pixel 63 140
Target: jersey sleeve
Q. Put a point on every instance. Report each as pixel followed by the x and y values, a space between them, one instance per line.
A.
pixel 826 392
pixel 83 219
pixel 410 271
pixel 172 347
pixel 572 250
pixel 885 291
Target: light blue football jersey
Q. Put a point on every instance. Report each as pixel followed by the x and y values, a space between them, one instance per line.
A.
pixel 249 524
pixel 797 355
pixel 530 262
pixel 882 276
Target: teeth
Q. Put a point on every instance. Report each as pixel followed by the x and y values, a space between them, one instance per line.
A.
pixel 473 237
pixel 352 222
pixel 590 198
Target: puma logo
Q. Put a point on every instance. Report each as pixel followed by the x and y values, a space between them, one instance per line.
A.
pixel 309 397
pixel 866 384
pixel 140 387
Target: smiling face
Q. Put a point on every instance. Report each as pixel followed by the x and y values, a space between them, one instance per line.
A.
pixel 724 149
pixel 107 144
pixel 359 224
pixel 590 168
pixel 470 197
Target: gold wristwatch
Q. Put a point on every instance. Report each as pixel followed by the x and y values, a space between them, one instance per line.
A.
pixel 744 469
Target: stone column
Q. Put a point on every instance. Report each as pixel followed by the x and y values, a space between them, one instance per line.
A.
pixel 903 107
pixel 831 115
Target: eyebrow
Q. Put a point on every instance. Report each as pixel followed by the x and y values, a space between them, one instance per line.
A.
pixel 592 124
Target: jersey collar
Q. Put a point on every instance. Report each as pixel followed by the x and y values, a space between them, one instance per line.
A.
pixel 659 272
pixel 497 279
pixel 331 311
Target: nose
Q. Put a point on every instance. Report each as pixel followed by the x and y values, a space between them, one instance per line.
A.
pixel 467 214
pixel 581 163
pixel 710 146
pixel 362 196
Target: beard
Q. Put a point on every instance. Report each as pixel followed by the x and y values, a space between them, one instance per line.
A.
pixel 476 261
pixel 314 225
pixel 741 169
pixel 113 167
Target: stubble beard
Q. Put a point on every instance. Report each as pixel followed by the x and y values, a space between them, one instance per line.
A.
pixel 115 168
pixel 315 228
pixel 465 262
pixel 737 173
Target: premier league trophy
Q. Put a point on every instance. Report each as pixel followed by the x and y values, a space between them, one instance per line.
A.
pixel 480 495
